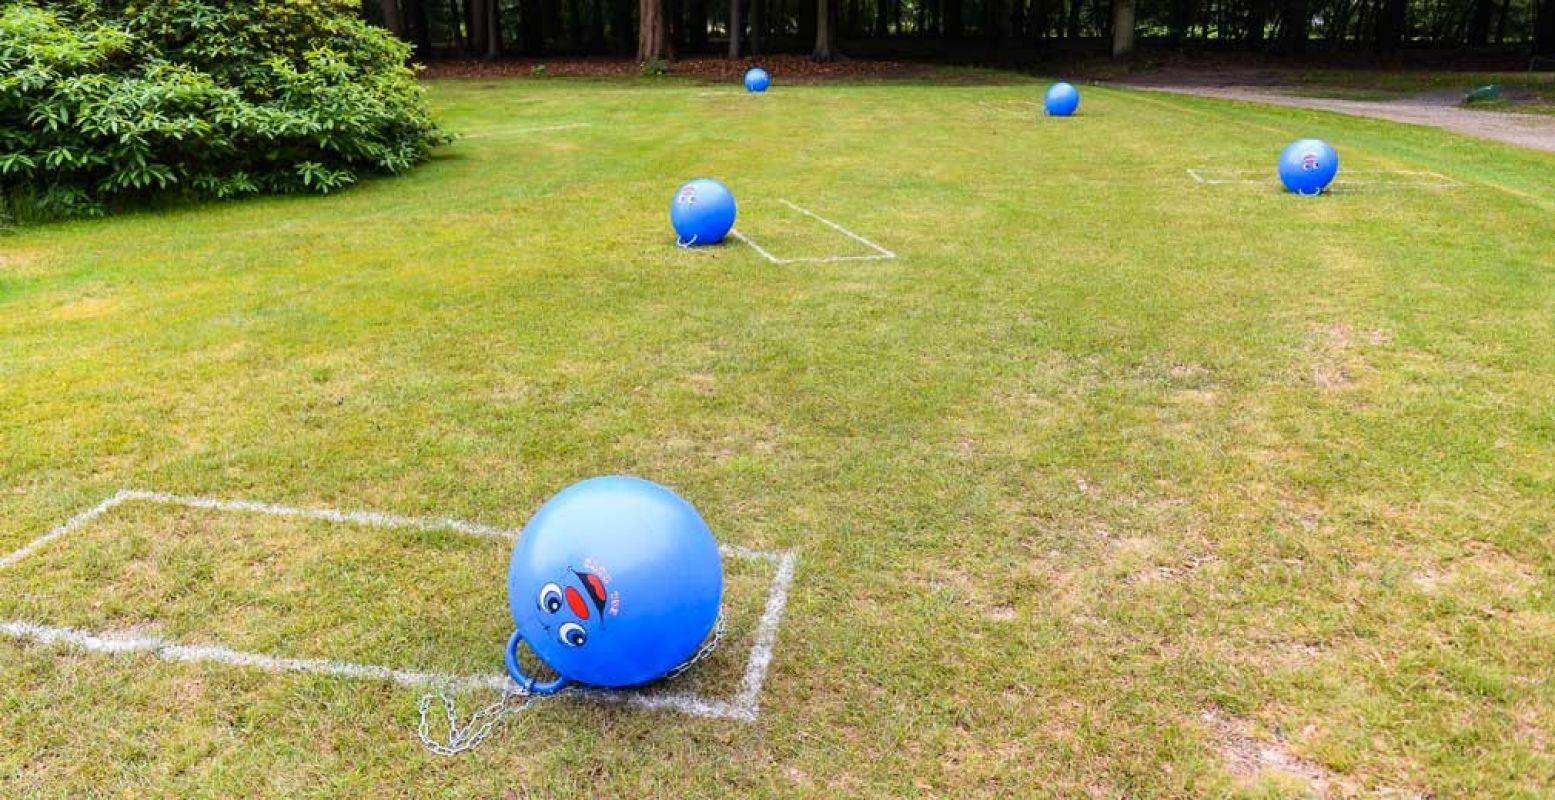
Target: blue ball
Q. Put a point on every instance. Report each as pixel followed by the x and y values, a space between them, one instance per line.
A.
pixel 614 582
pixel 702 212
pixel 1061 100
pixel 757 80
pixel 1308 166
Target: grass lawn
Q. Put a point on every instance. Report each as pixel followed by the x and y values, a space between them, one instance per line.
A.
pixel 1537 89
pixel 1111 483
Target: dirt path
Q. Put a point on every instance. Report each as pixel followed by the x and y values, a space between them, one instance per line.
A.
pixel 1436 110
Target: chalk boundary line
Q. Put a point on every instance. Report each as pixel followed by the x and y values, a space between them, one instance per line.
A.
pixel 880 254
pixel 744 707
pixel 1422 179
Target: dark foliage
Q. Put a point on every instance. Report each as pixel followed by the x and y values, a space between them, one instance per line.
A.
pixel 105 103
pixel 975 30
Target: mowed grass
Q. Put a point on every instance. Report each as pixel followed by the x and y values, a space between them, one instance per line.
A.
pixel 1107 483
pixel 1535 90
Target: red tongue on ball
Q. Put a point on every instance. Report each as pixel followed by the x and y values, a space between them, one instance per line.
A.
pixel 596 588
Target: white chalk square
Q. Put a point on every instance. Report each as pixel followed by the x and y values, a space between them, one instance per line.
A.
pixel 744 705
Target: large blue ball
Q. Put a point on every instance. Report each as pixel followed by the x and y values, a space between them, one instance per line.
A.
pixel 1061 100
pixel 702 212
pixel 1308 166
pixel 614 582
pixel 757 80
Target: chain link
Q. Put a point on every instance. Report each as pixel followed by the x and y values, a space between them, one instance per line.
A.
pixel 706 650
pixel 483 722
pixel 480 726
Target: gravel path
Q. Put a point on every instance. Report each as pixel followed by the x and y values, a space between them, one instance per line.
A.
pixel 1436 110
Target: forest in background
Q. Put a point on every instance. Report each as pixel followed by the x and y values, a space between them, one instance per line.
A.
pixel 988 31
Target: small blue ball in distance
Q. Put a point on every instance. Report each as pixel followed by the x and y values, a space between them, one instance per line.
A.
pixel 757 80
pixel 702 212
pixel 1061 99
pixel 1308 166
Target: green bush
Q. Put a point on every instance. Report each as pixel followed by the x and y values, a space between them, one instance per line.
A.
pixel 104 103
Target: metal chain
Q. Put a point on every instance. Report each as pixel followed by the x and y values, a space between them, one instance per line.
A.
pixel 483 722
pixel 480 726
pixel 706 650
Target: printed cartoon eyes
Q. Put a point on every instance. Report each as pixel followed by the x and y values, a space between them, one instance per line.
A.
pixel 550 598
pixel 572 634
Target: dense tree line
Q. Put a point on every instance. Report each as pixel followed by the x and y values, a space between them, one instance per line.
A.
pixel 653 29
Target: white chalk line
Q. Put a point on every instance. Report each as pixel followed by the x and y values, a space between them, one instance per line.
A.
pixel 766 635
pixel 884 253
pixel 880 254
pixel 762 251
pixel 70 525
pixel 746 706
pixel 1414 178
pixel 490 132
pixel 366 518
pixel 111 644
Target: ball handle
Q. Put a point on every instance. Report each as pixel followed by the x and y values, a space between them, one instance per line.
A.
pixel 524 681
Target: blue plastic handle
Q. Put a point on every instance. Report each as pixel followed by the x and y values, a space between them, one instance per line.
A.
pixel 524 681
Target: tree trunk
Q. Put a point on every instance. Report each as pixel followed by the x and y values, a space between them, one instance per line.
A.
pixel 1180 20
pixel 597 14
pixel 1122 28
pixel 476 16
pixel 551 16
pixel 675 21
pixel 1257 23
pixel 393 19
pixel 1393 16
pixel 1337 21
pixel 460 23
pixel 1295 26
pixel 882 18
pixel 758 33
pixel 1544 29
pixel 419 25
pixel 952 19
pixel 734 28
pixel 531 27
pixel 653 36
pixel 996 25
pixel 494 31
pixel 1072 30
pixel 825 39
pixel 696 25
pixel 1365 21
pixel 624 33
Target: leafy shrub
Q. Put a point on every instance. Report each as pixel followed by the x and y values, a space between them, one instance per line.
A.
pixel 105 102
pixel 656 68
